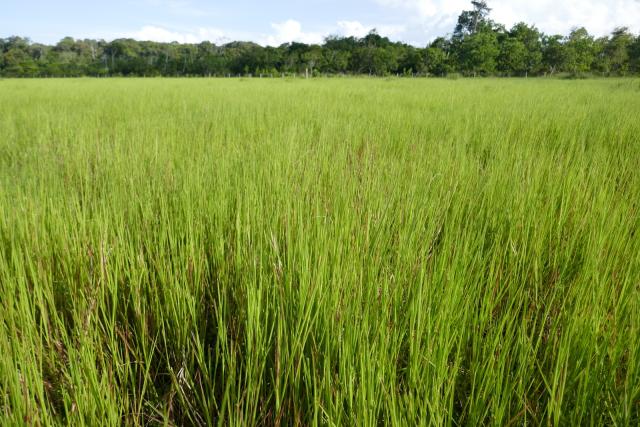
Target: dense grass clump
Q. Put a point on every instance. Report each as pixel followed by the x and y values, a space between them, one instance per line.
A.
pixel 332 252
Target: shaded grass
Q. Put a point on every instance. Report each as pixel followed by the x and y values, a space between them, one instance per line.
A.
pixel 319 252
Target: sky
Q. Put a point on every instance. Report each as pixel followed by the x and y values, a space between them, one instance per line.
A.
pixel 275 22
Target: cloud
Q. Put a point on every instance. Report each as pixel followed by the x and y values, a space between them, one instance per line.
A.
pixel 357 29
pixel 352 29
pixel 552 16
pixel 282 32
pixel 290 31
pixel 427 8
pixel 160 34
pixel 431 18
pixel 414 21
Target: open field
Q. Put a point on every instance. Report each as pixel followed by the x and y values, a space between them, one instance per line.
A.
pixel 323 251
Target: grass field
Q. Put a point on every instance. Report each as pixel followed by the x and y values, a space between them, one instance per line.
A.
pixel 328 251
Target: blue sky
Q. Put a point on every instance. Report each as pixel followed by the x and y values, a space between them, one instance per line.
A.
pixel 276 22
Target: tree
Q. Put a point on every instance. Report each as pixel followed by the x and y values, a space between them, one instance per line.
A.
pixel 293 56
pixel 375 55
pixel 373 39
pixel 16 60
pixel 18 63
pixel 634 55
pixel 531 39
pixel 478 45
pixel 617 50
pixel 121 54
pixel 336 61
pixel 553 53
pixel 437 58
pixel 472 21
pixel 338 52
pixel 373 61
pixel 246 57
pixel 313 58
pixel 513 56
pixel 601 63
pixel 579 51
pixel 345 44
pixel 479 52
pixel 411 60
pixel 65 59
pixel 436 61
pixel 475 41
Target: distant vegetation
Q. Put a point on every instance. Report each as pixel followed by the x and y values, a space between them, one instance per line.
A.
pixel 477 46
pixel 320 252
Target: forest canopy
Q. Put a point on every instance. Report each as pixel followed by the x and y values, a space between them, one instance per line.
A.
pixel 477 46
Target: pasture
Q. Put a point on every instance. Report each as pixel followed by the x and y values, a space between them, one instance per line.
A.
pixel 320 252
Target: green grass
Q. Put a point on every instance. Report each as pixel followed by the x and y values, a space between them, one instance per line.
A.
pixel 331 252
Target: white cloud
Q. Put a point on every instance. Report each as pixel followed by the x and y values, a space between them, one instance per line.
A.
pixel 160 34
pixel 422 21
pixel 553 16
pixel 352 29
pixel 431 18
pixel 290 31
pixel 427 8
pixel 391 30
pixel 357 29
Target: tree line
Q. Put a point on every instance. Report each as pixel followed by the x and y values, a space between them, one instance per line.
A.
pixel 477 46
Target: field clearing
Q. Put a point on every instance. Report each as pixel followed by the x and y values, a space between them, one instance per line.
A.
pixel 325 251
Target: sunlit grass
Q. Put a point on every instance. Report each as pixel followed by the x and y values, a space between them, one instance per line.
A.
pixel 334 252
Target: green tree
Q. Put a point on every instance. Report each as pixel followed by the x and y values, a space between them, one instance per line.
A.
pixel 121 54
pixel 479 53
pixel 336 61
pixel 411 60
pixel 436 61
pixel 18 63
pixel 16 58
pixel 478 45
pixel 293 57
pixel 437 58
pixel 474 20
pixel 246 57
pixel 531 38
pixel 513 56
pixel 617 50
pixel 553 53
pixel 375 55
pixel 601 62
pixel 475 41
pixel 579 51
pixel 313 58
pixel 634 55
pixel 65 59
